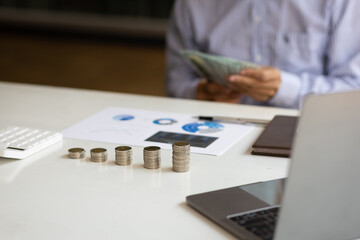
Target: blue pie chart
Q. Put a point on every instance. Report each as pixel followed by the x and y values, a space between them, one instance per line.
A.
pixel 165 121
pixel 123 117
pixel 205 127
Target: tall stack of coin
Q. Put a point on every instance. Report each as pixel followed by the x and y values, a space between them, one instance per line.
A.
pixel 123 155
pixel 152 157
pixel 181 156
pixel 98 154
pixel 76 153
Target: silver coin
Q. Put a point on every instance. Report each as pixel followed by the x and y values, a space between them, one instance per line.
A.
pixel 181 162
pixel 76 153
pixel 181 156
pixel 98 154
pixel 181 144
pixel 152 149
pixel 152 157
pixel 123 155
pixel 180 169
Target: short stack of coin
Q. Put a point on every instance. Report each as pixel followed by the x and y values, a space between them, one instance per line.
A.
pixel 152 157
pixel 123 155
pixel 181 156
pixel 76 153
pixel 98 154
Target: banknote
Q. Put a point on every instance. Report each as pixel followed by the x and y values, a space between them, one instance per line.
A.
pixel 215 68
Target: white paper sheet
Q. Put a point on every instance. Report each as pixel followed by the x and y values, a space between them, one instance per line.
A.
pixel 125 126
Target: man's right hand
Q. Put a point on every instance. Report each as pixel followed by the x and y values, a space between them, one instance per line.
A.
pixel 215 92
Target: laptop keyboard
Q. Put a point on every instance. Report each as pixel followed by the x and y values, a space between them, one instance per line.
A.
pixel 260 222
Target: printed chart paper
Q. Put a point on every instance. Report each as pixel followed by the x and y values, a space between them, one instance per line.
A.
pixel 136 127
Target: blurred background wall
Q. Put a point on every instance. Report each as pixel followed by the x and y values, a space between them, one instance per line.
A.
pixel 112 45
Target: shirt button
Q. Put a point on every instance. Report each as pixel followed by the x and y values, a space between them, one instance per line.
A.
pixel 257 19
pixel 286 39
pixel 258 58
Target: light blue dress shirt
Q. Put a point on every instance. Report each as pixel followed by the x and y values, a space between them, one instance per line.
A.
pixel 315 43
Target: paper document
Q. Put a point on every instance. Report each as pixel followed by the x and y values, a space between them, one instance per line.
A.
pixel 136 127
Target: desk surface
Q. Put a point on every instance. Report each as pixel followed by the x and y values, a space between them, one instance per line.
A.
pixel 48 196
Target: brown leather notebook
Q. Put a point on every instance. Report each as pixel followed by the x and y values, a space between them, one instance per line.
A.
pixel 277 137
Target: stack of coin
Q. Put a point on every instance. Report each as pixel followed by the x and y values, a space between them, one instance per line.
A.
pixel 123 155
pixel 98 154
pixel 152 157
pixel 76 153
pixel 181 156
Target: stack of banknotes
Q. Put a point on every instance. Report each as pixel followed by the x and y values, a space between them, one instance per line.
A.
pixel 215 68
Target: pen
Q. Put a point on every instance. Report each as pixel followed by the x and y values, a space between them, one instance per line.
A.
pixel 232 120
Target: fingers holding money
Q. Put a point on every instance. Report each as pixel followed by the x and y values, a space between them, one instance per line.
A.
pixel 215 92
pixel 260 84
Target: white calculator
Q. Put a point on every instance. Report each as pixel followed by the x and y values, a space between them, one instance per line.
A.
pixel 20 142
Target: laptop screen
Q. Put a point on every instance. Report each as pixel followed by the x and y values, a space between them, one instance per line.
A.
pixel 270 191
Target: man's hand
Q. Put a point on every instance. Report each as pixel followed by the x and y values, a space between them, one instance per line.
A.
pixel 215 92
pixel 260 84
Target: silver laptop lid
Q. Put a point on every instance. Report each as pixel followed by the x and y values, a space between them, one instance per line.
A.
pixel 322 195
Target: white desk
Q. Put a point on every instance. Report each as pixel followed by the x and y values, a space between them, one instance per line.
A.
pixel 48 196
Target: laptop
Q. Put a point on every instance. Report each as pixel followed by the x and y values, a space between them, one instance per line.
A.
pixel 320 199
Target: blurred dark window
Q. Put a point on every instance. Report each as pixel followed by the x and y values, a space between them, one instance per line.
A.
pixel 134 8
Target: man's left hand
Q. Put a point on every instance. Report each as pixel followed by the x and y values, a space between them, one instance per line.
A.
pixel 260 83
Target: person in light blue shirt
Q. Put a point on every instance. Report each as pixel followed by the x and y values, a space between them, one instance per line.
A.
pixel 306 47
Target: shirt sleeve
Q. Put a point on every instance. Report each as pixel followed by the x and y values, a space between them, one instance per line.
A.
pixel 181 80
pixel 342 65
